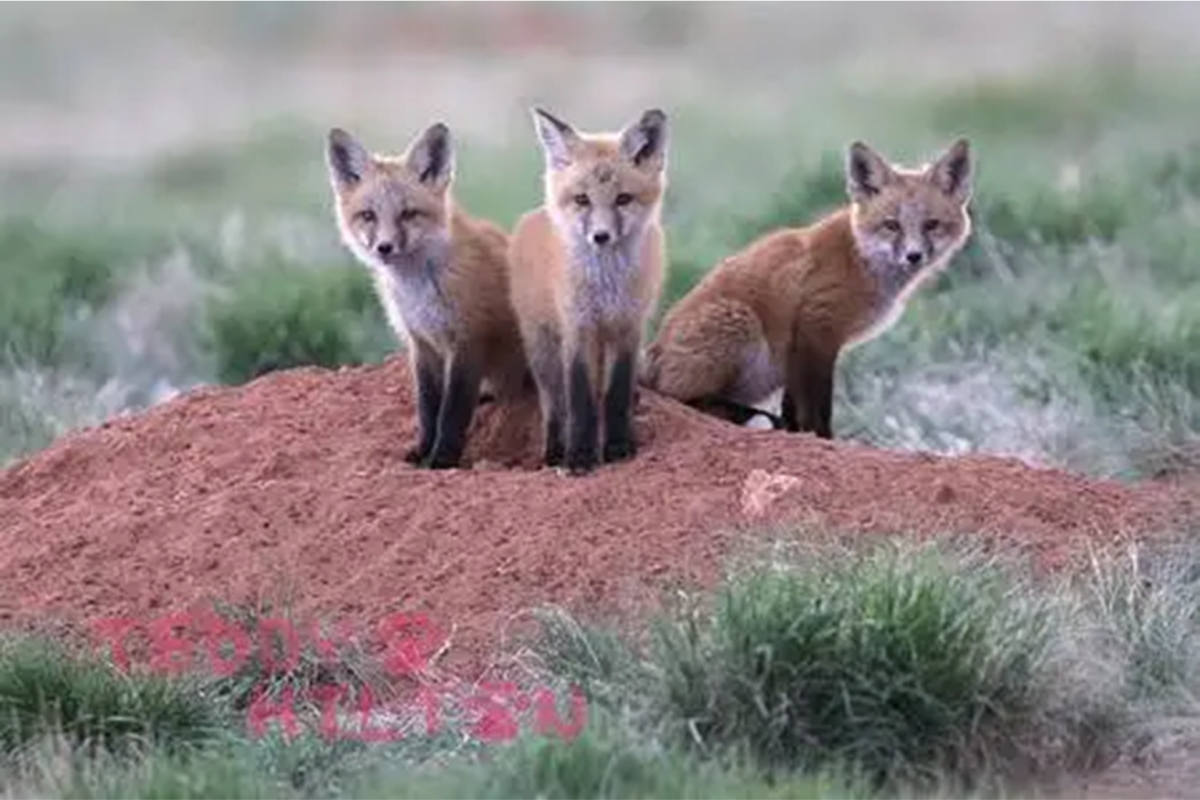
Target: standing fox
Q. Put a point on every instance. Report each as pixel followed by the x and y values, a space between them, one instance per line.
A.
pixel 441 276
pixel 778 314
pixel 587 273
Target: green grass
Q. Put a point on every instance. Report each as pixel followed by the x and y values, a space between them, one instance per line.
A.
pixel 77 726
pixel 880 662
pixel 592 766
pixel 52 280
pixel 278 317
pixel 47 691
pixel 1150 603
pixel 903 666
pixel 883 669
pixel 926 668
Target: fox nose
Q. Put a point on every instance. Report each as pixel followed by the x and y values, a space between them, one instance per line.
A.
pixel 914 257
pixel 601 237
pixel 384 248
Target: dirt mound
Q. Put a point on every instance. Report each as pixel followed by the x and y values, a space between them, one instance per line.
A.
pixel 294 486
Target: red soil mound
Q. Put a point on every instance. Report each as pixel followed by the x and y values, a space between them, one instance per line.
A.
pixel 295 483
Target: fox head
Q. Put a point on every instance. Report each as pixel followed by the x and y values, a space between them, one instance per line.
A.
pixel 909 219
pixel 603 189
pixel 390 208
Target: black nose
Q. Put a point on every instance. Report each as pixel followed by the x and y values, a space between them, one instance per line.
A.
pixel 913 258
pixel 601 237
pixel 384 248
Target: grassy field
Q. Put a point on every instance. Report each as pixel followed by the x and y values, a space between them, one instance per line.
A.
pixel 166 213
pixel 166 223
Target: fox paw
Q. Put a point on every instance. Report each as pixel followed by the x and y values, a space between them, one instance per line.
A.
pixel 582 462
pixel 553 455
pixel 416 455
pixel 619 450
pixel 439 459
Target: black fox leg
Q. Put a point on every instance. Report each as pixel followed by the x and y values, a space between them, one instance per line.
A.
pixel 808 398
pixel 619 443
pixel 428 375
pixel 460 399
pixel 583 427
pixel 789 416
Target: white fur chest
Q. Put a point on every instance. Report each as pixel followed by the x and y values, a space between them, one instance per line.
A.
pixel 604 286
pixel 894 286
pixel 411 291
pixel 415 300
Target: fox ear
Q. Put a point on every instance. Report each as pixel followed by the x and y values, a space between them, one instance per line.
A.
pixel 431 156
pixel 866 172
pixel 952 172
pixel 347 160
pixel 645 142
pixel 557 137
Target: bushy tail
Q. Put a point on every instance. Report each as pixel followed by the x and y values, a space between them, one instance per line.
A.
pixel 648 365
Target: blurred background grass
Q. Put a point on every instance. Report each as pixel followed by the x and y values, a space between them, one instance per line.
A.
pixel 166 218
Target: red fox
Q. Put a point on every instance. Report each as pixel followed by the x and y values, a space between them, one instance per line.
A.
pixel 442 278
pixel 778 314
pixel 587 273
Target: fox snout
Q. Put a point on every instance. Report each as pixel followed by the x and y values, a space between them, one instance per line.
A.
pixel 389 244
pixel 911 250
pixel 601 226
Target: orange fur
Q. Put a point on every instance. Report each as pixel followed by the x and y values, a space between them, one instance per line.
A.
pixel 587 273
pixel 778 314
pixel 443 283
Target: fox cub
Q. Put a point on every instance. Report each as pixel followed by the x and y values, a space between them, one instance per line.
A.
pixel 441 276
pixel 587 273
pixel 777 314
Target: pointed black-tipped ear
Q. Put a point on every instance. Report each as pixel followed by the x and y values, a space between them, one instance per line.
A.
pixel 348 161
pixel 644 142
pixel 952 173
pixel 431 156
pixel 866 172
pixel 558 139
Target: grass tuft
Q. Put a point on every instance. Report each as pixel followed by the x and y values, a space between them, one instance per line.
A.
pixel 908 666
pixel 46 692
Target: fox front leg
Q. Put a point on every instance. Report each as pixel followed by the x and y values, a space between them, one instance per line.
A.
pixel 619 399
pixel 460 398
pixel 428 370
pixel 583 416
pixel 808 395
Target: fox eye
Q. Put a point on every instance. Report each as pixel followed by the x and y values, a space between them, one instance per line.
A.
pixel 408 214
pixel 367 216
pixel 582 200
pixel 892 225
pixel 624 199
pixel 931 225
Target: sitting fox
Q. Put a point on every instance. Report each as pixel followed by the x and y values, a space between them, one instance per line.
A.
pixel 778 314
pixel 442 277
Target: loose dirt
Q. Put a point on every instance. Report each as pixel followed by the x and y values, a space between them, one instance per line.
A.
pixel 293 488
